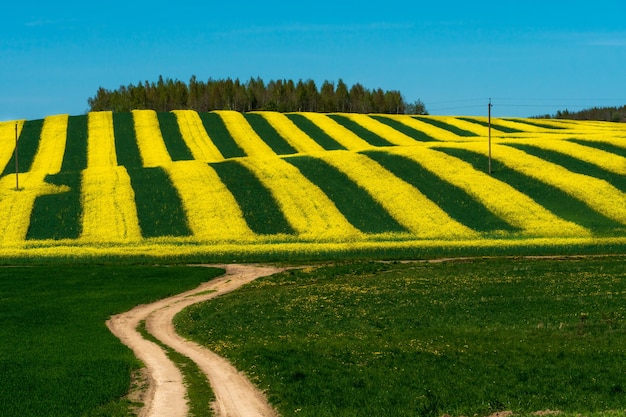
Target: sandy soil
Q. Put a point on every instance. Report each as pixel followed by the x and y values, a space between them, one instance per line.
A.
pixel 165 396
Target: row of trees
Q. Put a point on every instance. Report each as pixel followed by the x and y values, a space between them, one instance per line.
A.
pixel 608 114
pixel 255 94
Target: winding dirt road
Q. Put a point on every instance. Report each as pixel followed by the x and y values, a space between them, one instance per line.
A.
pixel 235 395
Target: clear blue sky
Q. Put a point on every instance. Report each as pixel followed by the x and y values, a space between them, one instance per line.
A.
pixel 531 57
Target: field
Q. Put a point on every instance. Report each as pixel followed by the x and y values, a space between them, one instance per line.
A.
pixel 57 358
pixel 270 186
pixel 460 338
pixel 100 199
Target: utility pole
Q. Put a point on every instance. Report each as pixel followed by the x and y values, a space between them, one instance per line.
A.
pixel 17 180
pixel 489 113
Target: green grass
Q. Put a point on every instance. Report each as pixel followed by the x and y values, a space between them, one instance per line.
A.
pixel 28 144
pixel 368 136
pixel 552 198
pixel 126 147
pixel 269 135
pixel 358 207
pixel 453 200
pixel 75 157
pixel 159 208
pixel 494 125
pixel 401 127
pixel 174 142
pixel 575 165
pixel 58 216
pixel 216 129
pixel 603 146
pixel 259 207
pixel 457 338
pixel 199 393
pixel 446 126
pixel 57 358
pixel 315 132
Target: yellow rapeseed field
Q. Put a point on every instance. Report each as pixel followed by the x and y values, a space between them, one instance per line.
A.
pixel 195 136
pixel 110 220
pixel 101 140
pixel 149 139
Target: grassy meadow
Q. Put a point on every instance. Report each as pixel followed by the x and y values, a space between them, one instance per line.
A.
pixel 57 357
pixel 465 337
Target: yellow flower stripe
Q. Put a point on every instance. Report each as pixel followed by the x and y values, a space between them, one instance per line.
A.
pixel 503 200
pixel 195 136
pixel 514 124
pixel 401 200
pixel 432 131
pixel 596 193
pixel 49 156
pixel 109 211
pixel 149 139
pixel 307 209
pixel 244 135
pixel 606 160
pixel 333 129
pixel 291 133
pixel 381 129
pixel 465 125
pixel 101 140
pixel 7 140
pixel 212 211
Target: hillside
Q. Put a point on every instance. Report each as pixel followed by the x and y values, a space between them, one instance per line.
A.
pixel 262 181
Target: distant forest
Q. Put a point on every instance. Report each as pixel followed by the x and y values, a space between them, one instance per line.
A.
pixel 608 114
pixel 255 94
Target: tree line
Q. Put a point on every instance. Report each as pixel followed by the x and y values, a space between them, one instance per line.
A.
pixel 607 114
pixel 275 95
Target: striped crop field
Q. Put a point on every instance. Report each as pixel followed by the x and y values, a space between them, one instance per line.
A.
pixel 225 182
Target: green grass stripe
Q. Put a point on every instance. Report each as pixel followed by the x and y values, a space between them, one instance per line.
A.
pixel 174 142
pixel 573 164
pixel 315 132
pixel 603 146
pixel 358 207
pixel 537 124
pixel 495 126
pixel 126 147
pixel 27 144
pixel 453 200
pixel 216 129
pixel 75 157
pixel 259 207
pixel 446 126
pixel 58 216
pixel 553 199
pixel 407 130
pixel 159 208
pixel 269 135
pixel 367 135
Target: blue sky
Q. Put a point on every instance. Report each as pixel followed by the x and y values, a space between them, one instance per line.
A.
pixel 532 57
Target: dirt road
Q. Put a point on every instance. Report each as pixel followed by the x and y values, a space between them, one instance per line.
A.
pixel 235 395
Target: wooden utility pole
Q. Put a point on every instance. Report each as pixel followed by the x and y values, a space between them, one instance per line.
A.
pixel 489 113
pixel 17 180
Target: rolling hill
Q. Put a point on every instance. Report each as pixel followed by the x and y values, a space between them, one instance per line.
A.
pixel 224 181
